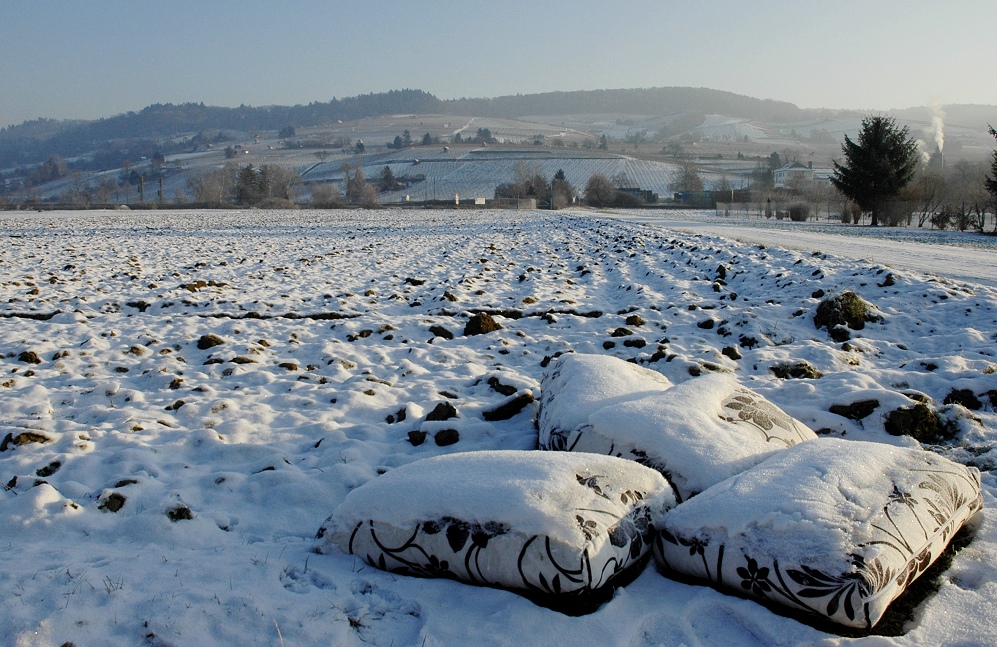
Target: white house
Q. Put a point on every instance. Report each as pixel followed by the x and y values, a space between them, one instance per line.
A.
pixel 794 174
pixel 791 175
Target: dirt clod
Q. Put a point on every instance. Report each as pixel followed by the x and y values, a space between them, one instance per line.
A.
pixel 509 408
pixel 918 422
pixel 446 437
pixel 798 371
pixel 114 502
pixel 209 341
pixel 480 324
pixel 856 410
pixel 29 357
pixel 442 411
pixel 965 397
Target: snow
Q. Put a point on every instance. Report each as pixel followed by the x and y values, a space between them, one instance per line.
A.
pixel 586 383
pixel 331 340
pixel 684 431
pixel 530 492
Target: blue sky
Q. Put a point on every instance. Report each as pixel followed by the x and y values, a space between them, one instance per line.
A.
pixel 73 59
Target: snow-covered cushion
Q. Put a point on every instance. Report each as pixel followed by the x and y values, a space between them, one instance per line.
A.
pixel 551 524
pixel 831 527
pixel 696 434
pixel 576 385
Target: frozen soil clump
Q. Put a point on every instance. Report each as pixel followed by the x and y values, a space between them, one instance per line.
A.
pixel 919 422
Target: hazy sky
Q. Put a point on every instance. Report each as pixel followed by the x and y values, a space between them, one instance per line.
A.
pixel 97 58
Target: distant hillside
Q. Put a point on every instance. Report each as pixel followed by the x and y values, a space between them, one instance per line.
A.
pixel 974 116
pixel 647 101
pixel 22 144
pixel 35 141
pixel 108 141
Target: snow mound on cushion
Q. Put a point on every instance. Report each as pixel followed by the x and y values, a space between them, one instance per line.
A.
pixel 833 527
pixel 699 433
pixel 551 523
pixel 527 490
pixel 576 385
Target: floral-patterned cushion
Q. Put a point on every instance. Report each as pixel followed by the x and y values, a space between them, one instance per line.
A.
pixel 696 434
pixel 577 384
pixel 832 527
pixel 550 524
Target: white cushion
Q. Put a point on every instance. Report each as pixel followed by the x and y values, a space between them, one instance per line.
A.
pixel 832 527
pixel 539 521
pixel 696 434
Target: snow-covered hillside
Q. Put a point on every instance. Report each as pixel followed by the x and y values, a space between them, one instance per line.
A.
pixel 188 395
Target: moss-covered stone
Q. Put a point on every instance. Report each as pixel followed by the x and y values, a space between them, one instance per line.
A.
pixel 845 309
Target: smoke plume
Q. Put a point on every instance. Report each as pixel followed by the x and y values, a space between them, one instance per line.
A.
pixel 938 125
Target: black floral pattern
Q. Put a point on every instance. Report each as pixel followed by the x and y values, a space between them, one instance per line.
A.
pixel 753 578
pixel 746 406
pixel 618 531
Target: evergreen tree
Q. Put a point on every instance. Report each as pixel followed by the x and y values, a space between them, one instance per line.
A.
pixel 249 186
pixel 562 193
pixel 427 139
pixel 603 143
pixel 876 167
pixel 386 180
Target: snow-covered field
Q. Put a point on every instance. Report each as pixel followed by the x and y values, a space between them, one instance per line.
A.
pixel 165 492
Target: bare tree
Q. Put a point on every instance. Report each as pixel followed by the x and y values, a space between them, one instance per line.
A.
pixel 106 187
pixel 621 180
pixel 326 196
pixel 599 191
pixel 279 182
pixel 358 191
pixel 687 178
pixel 929 190
pixel 212 188
pixel 967 197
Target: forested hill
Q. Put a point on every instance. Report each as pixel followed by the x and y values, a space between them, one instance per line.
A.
pixel 646 101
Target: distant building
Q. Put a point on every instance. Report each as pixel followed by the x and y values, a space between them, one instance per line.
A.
pixel 644 195
pixel 794 174
pixel 513 203
pixel 790 175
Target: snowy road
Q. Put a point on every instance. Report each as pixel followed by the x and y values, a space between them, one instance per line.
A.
pixel 954 261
